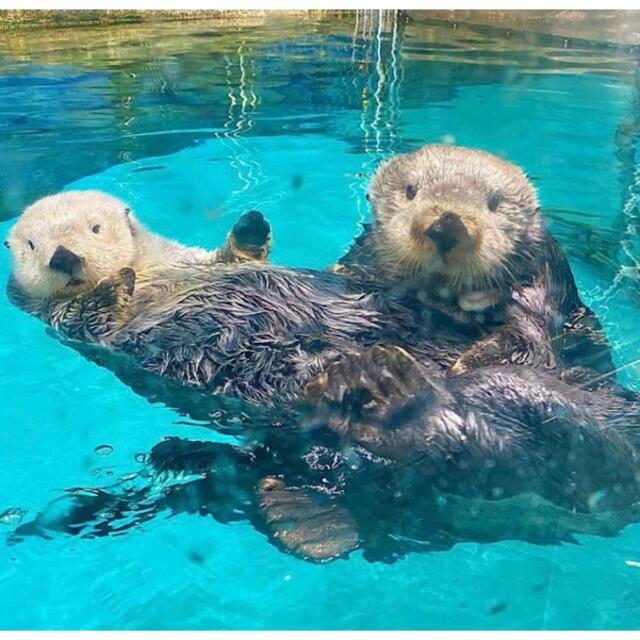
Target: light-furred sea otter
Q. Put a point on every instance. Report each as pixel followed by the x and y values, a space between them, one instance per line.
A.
pixel 397 457
pixel 63 245
pixel 461 229
pixel 87 267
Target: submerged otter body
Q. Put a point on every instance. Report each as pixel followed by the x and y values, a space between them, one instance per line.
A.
pixel 459 230
pixel 408 461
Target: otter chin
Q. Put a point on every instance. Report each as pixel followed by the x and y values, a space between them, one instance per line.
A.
pixel 453 220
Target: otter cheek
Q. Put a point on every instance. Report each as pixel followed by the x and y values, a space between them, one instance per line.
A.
pixel 472 239
pixel 494 250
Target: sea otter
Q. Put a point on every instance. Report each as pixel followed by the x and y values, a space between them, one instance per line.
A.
pixel 87 267
pixel 261 334
pixel 63 245
pixel 461 229
pixel 394 456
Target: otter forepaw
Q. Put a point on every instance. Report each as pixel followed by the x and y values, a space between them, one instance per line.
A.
pixel 477 357
pixel 108 290
pixel 126 278
pixel 507 346
pixel 306 523
pixel 250 237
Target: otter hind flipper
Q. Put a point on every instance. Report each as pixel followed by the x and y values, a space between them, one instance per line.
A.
pixel 306 523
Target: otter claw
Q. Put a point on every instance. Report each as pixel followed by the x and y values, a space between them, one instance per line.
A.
pixel 458 368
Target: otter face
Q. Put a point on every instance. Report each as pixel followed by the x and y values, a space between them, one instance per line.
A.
pixel 452 212
pixel 65 244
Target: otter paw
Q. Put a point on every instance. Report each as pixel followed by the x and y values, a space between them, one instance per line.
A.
pixel 365 384
pixel 306 523
pixel 108 290
pixel 126 279
pixel 252 233
pixel 474 359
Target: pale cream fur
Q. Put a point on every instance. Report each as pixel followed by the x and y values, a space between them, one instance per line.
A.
pixel 465 181
pixel 102 231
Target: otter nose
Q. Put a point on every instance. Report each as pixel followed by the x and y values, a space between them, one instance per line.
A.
pixel 446 231
pixel 64 260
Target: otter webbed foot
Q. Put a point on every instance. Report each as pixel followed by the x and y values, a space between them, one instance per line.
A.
pixel 306 523
pixel 377 399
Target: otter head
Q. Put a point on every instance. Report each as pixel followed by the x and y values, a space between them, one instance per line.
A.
pixel 453 216
pixel 65 244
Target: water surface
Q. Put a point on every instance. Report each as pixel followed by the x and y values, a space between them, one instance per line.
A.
pixel 193 123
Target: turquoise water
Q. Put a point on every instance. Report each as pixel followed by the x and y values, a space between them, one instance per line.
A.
pixel 195 125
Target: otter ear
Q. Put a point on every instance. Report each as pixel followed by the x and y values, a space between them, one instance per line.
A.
pixel 7 244
pixel 494 201
pixel 127 211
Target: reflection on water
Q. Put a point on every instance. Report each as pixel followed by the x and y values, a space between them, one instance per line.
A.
pixel 134 91
pixel 374 79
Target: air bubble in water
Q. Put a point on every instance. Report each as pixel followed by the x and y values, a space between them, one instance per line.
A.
pixel 104 450
pixel 12 516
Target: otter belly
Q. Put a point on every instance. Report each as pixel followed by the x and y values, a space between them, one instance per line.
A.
pixel 254 334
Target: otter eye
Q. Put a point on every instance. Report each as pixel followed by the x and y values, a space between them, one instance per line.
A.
pixel 410 191
pixel 31 245
pixel 368 197
pixel 95 228
pixel 494 201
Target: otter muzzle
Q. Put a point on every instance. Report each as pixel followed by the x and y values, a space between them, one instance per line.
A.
pixel 64 261
pixel 447 231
